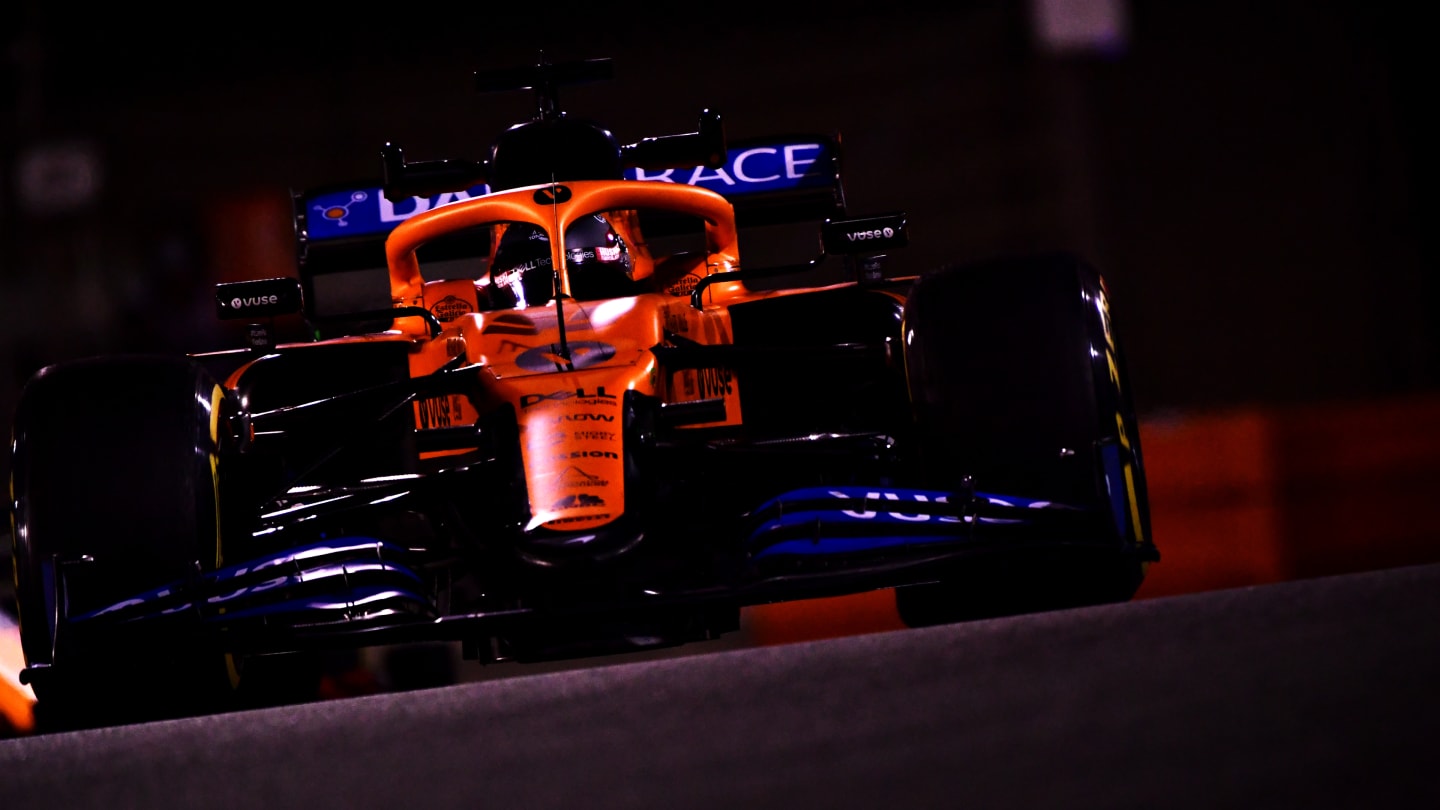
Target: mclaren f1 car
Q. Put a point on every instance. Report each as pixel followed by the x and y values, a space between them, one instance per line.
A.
pixel 543 409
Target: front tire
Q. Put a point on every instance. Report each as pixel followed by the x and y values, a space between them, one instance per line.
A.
pixel 114 488
pixel 1018 385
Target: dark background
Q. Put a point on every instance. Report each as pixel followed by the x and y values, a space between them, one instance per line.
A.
pixel 1247 175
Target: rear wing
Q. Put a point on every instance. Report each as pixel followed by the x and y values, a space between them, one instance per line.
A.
pixel 777 180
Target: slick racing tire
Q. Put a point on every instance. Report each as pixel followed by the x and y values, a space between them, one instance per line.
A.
pixel 1018 387
pixel 115 492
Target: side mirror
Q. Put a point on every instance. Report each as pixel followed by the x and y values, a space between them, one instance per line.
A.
pixel 426 178
pixel 703 147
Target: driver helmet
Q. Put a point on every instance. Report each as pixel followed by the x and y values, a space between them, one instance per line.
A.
pixel 599 261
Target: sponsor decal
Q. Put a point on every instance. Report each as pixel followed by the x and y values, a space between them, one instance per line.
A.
pixel 868 503
pixel 877 233
pixel 684 285
pixel 340 213
pixel 765 168
pixel 714 382
pixel 354 212
pixel 395 212
pixel 677 322
pixel 882 495
pixel 594 436
pixel 250 299
pixel 515 276
pixel 577 501
pixel 579 454
pixel 580 394
pixel 772 167
pixel 436 412
pixel 552 195
pixel 254 301
pixel 573 477
pixel 257 335
pixel 583 354
pixel 707 383
pixel 870 234
pixel 451 307
pixel 585 417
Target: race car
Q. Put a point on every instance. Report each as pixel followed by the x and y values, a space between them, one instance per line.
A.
pixel 544 410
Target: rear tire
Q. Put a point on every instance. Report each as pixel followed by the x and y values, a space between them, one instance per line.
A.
pixel 114 479
pixel 1016 381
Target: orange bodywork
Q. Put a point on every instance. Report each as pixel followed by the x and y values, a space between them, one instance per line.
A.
pixel 567 391
pixel 566 381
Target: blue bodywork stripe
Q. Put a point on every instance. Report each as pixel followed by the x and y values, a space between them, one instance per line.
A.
pixel 847 519
pixel 336 559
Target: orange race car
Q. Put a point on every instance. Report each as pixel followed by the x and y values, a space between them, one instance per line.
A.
pixel 548 411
